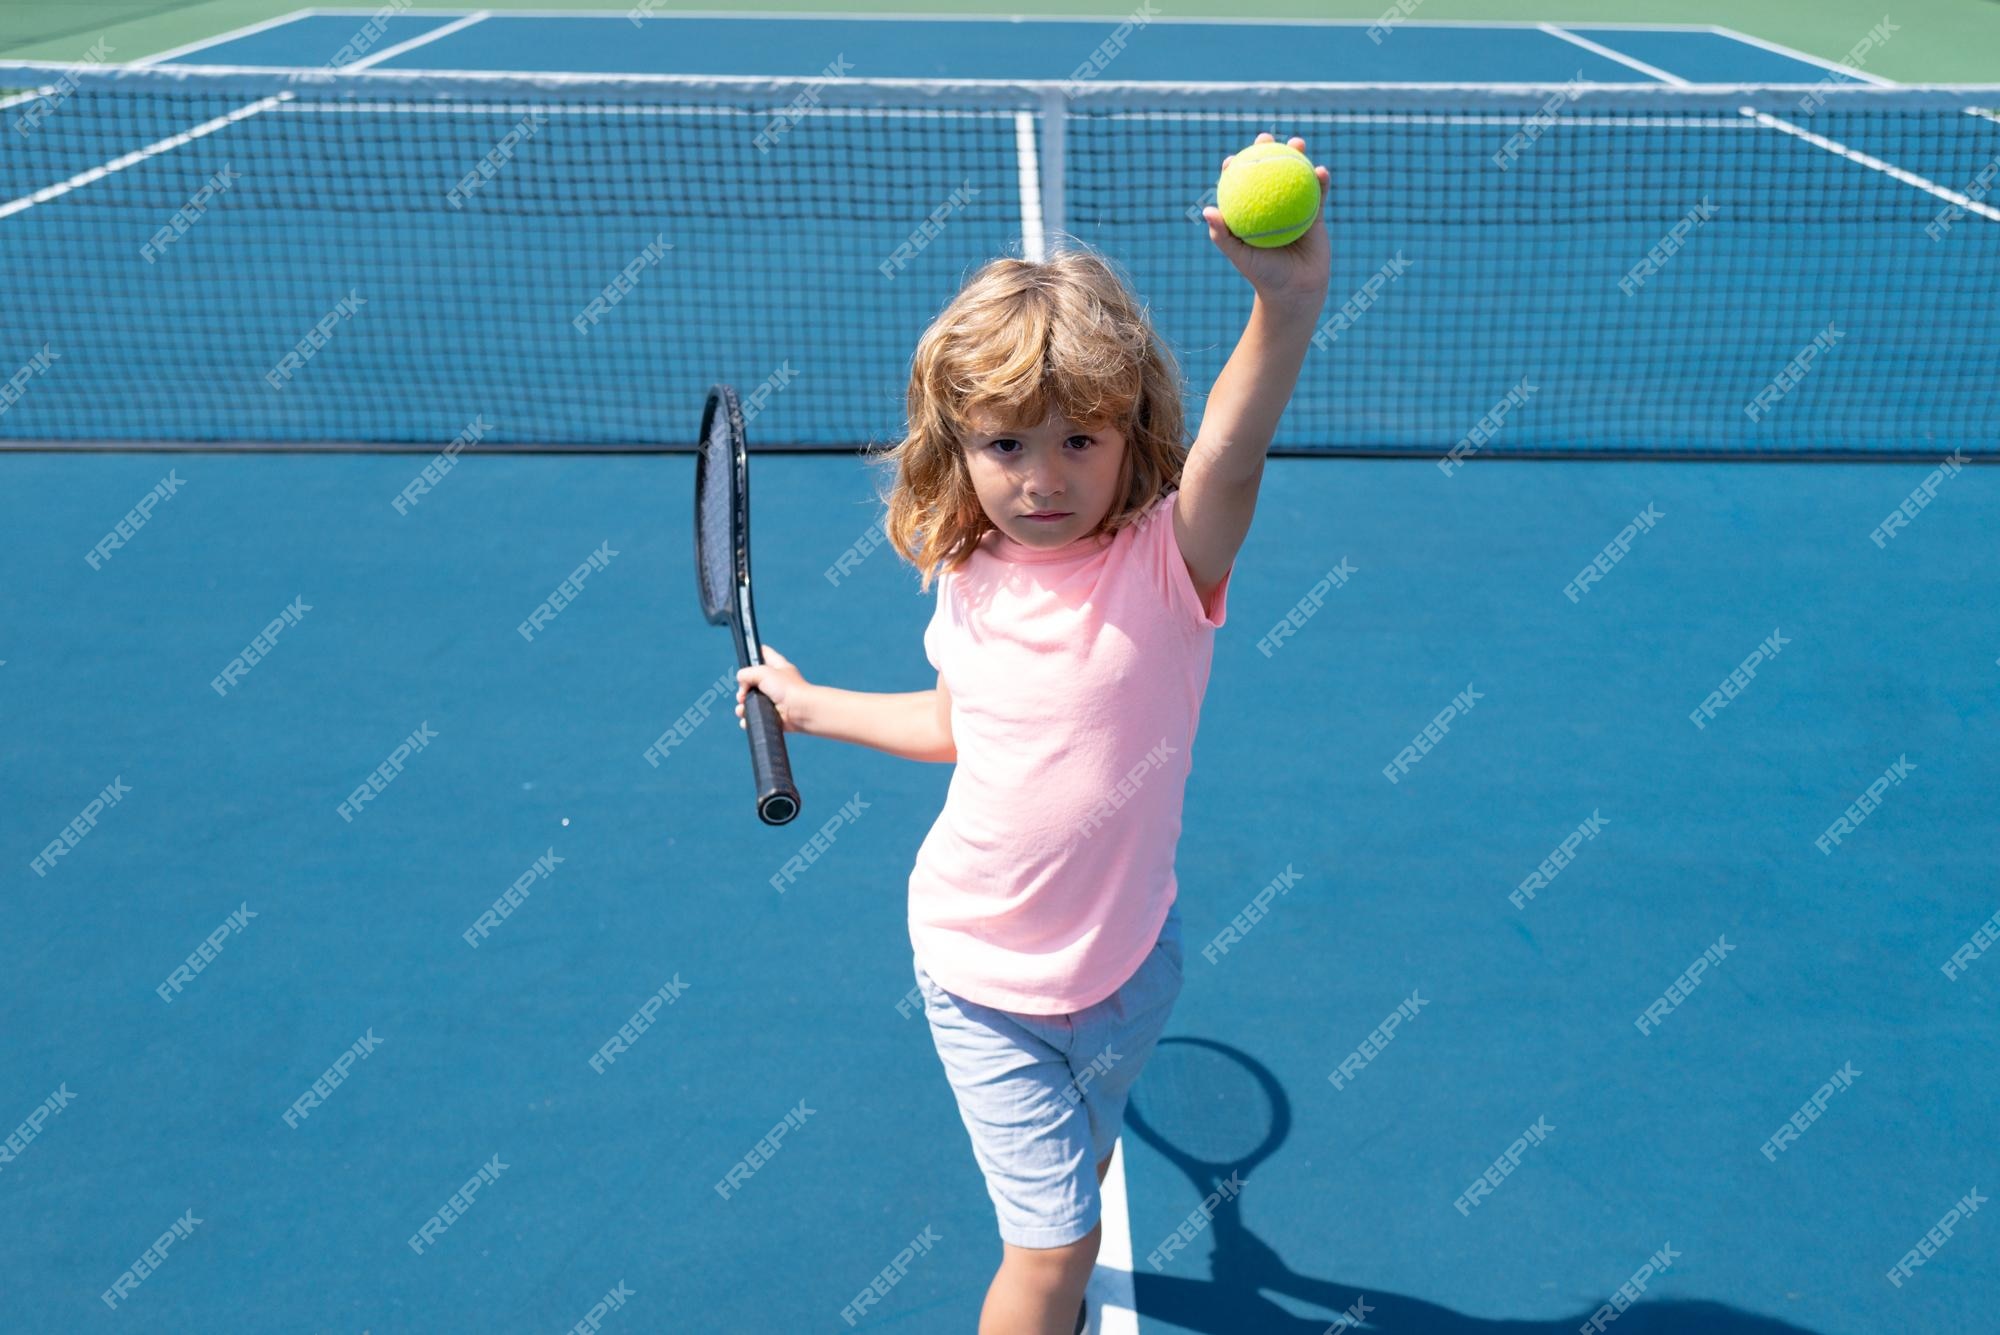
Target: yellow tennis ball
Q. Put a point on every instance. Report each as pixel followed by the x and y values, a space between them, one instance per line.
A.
pixel 1268 194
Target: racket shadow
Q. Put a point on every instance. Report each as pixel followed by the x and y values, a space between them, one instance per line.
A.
pixel 1206 1083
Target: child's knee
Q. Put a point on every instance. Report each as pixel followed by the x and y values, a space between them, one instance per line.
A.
pixel 1060 1267
pixel 1080 1257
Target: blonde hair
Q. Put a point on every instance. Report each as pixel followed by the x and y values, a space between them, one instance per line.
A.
pixel 1026 339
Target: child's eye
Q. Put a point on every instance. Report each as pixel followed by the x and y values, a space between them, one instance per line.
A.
pixel 1001 445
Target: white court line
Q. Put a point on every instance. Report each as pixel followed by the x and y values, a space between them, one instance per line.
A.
pixel 1113 1309
pixel 247 30
pixel 368 62
pixel 1034 246
pixel 31 95
pixel 1597 48
pixel 166 145
pixel 1924 184
pixel 1806 56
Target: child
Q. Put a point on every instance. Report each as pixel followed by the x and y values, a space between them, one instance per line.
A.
pixel 1082 554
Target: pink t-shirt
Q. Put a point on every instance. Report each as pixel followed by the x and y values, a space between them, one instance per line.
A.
pixel 1076 679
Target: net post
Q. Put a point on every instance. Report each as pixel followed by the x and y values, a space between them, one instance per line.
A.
pixel 1055 135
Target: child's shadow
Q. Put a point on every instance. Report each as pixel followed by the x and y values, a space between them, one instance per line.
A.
pixel 1243 1269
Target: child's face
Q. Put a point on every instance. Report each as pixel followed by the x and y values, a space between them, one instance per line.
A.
pixel 1069 468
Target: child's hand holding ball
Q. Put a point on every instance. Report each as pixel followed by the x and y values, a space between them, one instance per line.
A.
pixel 1266 219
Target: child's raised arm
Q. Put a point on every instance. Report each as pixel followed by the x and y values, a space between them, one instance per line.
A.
pixel 1218 491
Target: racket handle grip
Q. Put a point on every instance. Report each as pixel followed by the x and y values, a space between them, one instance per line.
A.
pixel 777 798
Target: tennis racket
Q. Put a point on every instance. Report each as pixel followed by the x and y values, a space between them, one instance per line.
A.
pixel 722 568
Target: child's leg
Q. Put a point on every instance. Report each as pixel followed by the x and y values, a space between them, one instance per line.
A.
pixel 1038 1095
pixel 1039 1289
pixel 1033 1288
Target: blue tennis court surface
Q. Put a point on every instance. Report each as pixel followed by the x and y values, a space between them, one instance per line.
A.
pixel 1885 657
pixel 1172 50
pixel 1653 799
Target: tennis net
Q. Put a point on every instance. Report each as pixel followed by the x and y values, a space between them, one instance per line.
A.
pixel 388 258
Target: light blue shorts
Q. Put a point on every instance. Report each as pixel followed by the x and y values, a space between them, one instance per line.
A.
pixel 1043 1096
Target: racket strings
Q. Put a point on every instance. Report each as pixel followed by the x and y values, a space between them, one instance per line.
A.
pixel 715 541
